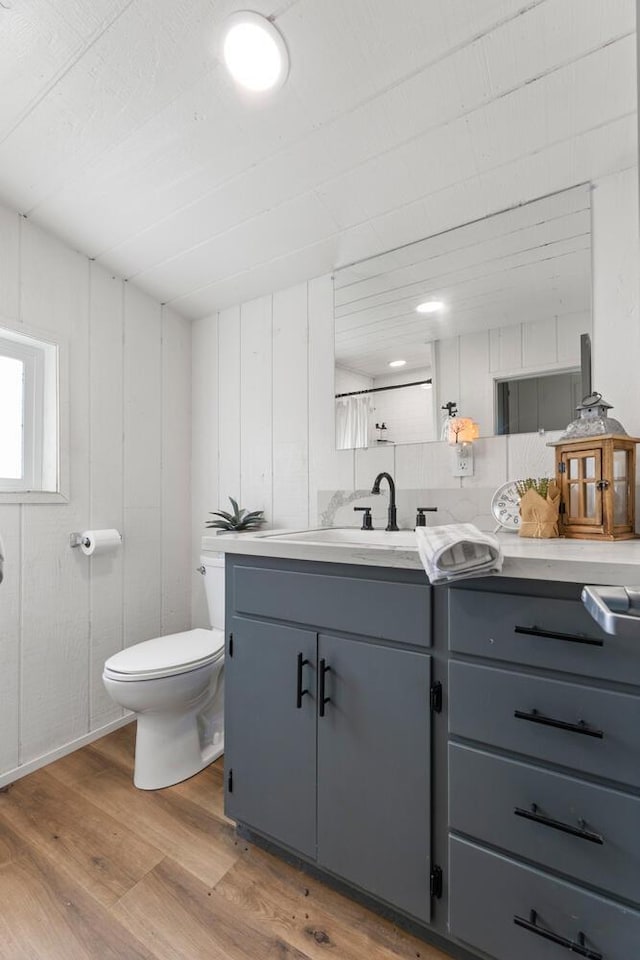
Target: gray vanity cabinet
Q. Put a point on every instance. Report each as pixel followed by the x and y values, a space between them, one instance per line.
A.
pixel 328 733
pixel 544 805
pixel 269 740
pixel 374 771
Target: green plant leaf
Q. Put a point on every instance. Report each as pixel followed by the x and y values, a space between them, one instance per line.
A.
pixel 240 519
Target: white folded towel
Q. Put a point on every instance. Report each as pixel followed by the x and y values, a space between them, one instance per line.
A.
pixel 457 551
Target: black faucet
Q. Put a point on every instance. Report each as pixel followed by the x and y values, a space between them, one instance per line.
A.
pixel 392 512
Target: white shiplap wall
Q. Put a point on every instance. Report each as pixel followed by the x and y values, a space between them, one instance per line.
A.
pixel 271 415
pixel 61 613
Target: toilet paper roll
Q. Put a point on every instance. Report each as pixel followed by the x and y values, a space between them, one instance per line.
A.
pixel 99 541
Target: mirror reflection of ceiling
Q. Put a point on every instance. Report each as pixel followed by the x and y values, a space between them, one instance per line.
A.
pixel 513 267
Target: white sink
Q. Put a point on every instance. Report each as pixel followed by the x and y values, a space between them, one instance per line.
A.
pixel 351 536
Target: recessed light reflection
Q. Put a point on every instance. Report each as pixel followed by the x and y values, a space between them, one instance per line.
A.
pixel 397 363
pixel 430 306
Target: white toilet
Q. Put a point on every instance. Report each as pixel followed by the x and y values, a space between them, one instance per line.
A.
pixel 174 685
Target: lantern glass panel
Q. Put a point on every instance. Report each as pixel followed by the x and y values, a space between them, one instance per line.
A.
pixel 620 471
pixel 574 500
pixel 620 502
pixel 590 467
pixel 574 468
pixel 591 500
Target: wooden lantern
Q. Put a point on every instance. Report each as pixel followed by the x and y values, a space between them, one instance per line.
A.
pixel 595 471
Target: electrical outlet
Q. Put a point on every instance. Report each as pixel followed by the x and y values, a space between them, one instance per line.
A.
pixel 462 459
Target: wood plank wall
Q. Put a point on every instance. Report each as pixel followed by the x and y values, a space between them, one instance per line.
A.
pixel 128 448
pixel 263 426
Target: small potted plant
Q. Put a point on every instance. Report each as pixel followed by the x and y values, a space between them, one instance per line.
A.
pixel 539 507
pixel 237 521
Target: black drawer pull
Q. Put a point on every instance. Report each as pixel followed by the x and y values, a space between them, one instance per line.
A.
pixel 553 635
pixel 575 946
pixel 579 727
pixel 302 662
pixel 324 670
pixel 580 831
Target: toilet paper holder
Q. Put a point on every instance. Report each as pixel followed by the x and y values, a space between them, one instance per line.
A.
pixel 77 540
pixel 86 538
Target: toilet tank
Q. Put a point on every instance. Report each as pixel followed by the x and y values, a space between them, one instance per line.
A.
pixel 213 564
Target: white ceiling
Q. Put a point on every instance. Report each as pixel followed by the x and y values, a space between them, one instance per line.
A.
pixel 526 264
pixel 121 133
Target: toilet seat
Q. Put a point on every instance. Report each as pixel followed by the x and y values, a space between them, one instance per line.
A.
pixel 166 656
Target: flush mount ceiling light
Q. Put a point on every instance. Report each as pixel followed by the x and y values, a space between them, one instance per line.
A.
pixel 430 306
pixel 254 52
pixel 397 363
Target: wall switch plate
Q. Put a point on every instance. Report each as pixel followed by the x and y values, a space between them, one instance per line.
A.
pixel 462 459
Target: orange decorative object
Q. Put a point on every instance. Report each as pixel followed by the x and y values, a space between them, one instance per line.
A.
pixel 463 430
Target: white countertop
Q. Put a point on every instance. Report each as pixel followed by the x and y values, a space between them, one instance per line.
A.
pixel 573 561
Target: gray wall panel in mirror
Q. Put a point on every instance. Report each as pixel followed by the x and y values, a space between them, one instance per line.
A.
pixel 507 297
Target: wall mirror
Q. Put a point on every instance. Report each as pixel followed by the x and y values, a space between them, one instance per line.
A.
pixel 488 316
pixel 30 421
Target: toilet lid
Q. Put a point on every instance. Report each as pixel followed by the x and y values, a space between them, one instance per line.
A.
pixel 166 656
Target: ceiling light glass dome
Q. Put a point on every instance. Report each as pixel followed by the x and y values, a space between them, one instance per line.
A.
pixel 254 52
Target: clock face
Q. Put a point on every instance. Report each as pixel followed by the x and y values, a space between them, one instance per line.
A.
pixel 505 506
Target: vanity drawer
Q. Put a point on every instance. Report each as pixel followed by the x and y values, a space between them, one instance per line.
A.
pixel 490 799
pixel 590 730
pixel 381 609
pixel 542 632
pixel 487 891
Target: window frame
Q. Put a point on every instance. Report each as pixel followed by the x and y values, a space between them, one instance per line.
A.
pixel 45 431
pixel 33 365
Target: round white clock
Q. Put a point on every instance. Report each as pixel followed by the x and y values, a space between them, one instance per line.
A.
pixel 505 506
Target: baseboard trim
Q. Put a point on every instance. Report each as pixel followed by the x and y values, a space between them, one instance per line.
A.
pixel 24 769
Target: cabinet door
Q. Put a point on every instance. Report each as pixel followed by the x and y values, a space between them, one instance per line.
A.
pixel 374 770
pixel 270 741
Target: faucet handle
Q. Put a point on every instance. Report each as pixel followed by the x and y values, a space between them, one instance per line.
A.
pixel 421 520
pixel 367 522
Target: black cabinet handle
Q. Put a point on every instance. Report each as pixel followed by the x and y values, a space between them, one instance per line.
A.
pixel 299 691
pixel 324 670
pixel 579 727
pixel 580 831
pixel 575 946
pixel 553 635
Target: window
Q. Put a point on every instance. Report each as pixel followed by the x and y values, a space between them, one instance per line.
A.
pixel 534 403
pixel 28 413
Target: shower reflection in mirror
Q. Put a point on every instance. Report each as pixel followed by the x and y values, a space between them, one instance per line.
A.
pixel 391 409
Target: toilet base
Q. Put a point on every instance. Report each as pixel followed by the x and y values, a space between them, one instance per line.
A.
pixel 168 749
pixel 180 722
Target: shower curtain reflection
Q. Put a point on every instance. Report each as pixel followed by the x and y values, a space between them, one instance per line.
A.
pixel 352 422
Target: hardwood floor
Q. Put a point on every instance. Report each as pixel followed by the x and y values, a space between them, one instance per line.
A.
pixel 90 867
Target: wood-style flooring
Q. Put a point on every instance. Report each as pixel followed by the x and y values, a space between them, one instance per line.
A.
pixel 90 867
